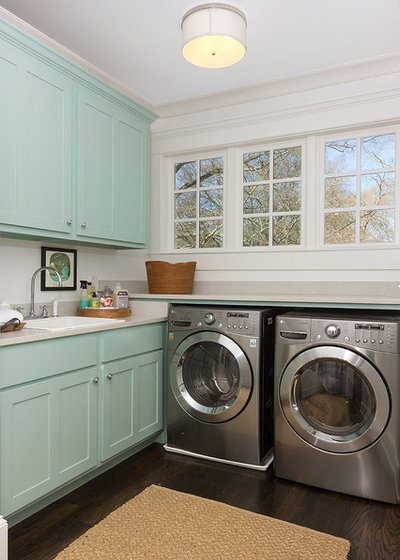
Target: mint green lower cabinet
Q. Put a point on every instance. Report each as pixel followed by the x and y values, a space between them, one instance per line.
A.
pixel 132 402
pixel 48 436
pixel 69 404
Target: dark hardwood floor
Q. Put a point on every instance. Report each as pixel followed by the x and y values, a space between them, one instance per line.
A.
pixel 373 528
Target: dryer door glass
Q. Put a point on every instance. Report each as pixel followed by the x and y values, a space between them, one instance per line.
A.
pixel 211 377
pixel 334 399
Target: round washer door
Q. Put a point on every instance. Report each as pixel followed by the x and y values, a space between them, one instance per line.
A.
pixel 334 399
pixel 211 377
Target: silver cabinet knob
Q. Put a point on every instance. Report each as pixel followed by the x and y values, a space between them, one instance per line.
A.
pixel 95 380
pixel 83 224
pixel 109 376
pixel 69 222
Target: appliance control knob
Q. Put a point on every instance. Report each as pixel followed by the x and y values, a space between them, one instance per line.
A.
pixel 332 331
pixel 209 318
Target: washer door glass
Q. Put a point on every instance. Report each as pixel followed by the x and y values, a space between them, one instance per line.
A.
pixel 334 399
pixel 211 377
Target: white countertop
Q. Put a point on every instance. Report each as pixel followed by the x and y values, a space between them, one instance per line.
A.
pixel 32 335
pixel 300 299
pixel 313 294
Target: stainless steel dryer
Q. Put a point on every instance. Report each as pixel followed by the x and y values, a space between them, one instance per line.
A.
pixel 220 386
pixel 337 402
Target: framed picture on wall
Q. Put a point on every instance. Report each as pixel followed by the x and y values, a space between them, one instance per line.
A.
pixel 64 261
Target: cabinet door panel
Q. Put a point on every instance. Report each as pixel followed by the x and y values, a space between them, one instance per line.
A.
pixel 113 162
pixel 46 196
pixel 8 138
pixel 149 369
pixel 26 435
pixel 132 402
pixel 96 174
pixel 119 426
pixel 77 421
pixel 35 143
pixel 48 436
pixel 131 194
pixel 96 140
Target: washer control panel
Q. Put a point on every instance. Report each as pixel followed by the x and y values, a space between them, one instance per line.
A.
pixel 366 334
pixel 236 321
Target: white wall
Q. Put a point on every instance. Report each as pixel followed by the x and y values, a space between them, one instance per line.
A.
pixel 20 258
pixel 353 97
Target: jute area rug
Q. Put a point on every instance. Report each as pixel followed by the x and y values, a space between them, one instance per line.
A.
pixel 164 524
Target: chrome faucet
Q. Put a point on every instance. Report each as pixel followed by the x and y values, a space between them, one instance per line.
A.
pixel 32 308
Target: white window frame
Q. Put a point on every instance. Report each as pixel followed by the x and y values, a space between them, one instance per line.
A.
pixel 240 216
pixel 357 134
pixel 187 157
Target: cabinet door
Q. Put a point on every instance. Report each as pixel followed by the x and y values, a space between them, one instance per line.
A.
pixel 35 143
pixel 48 434
pixel 119 396
pixel 132 402
pixel 113 162
pixel 150 391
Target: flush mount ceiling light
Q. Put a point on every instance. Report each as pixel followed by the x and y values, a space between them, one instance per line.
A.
pixel 214 35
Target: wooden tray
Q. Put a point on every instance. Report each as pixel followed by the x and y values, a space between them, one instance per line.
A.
pixel 13 328
pixel 104 312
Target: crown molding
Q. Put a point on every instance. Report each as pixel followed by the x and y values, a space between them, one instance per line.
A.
pixel 336 75
pixel 212 122
pixel 72 57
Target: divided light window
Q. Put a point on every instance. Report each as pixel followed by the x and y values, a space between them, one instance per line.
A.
pixel 360 190
pixel 198 203
pixel 272 194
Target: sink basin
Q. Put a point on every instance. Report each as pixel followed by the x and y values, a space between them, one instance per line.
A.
pixel 72 322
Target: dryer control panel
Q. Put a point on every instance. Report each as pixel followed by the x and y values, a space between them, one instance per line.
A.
pixel 373 335
pixel 378 335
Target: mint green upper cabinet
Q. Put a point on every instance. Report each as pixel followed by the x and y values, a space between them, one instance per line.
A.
pixel 113 158
pixel 35 143
pixel 74 152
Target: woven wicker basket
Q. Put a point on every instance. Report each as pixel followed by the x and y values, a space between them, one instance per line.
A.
pixel 170 278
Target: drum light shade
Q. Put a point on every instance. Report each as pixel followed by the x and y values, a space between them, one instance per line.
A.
pixel 214 35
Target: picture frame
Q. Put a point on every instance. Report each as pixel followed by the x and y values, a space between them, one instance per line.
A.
pixel 65 262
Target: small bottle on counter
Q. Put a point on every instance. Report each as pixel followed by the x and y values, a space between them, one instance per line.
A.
pixel 83 295
pixel 94 301
pixel 121 298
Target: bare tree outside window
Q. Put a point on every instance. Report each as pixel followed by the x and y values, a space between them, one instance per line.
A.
pixel 198 203
pixel 272 197
pixel 360 190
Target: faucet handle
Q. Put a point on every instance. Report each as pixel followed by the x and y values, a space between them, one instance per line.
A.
pixel 45 313
pixel 19 308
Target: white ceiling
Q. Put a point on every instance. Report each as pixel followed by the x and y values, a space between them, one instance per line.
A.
pixel 138 43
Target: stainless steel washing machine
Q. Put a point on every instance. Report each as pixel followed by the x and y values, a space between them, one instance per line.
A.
pixel 337 402
pixel 220 386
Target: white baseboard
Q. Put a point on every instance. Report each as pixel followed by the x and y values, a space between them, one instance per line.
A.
pixel 3 539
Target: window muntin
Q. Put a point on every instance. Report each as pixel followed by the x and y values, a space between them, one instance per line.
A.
pixel 199 203
pixel 359 198
pixel 272 197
